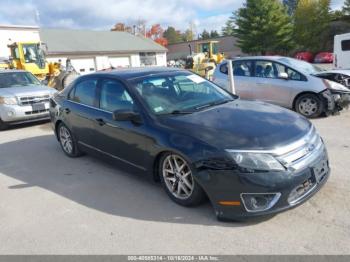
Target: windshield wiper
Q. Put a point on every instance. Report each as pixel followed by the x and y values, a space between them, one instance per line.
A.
pixel 180 112
pixel 215 103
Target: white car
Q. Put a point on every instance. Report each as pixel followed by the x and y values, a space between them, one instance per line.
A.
pixel 22 98
pixel 284 81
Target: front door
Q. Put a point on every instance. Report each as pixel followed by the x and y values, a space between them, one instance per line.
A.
pixel 268 86
pixel 123 140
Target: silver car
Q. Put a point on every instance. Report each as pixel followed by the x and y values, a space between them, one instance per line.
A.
pixel 286 82
pixel 22 98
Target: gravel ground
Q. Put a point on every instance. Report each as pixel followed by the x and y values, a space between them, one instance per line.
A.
pixel 51 204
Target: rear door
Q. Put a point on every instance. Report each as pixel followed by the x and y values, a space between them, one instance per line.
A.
pixel 80 109
pixel 242 72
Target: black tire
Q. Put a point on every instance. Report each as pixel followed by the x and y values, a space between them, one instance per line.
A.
pixel 3 125
pixel 74 152
pixel 197 195
pixel 309 105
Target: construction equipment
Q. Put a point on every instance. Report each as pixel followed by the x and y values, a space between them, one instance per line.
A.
pixel 31 56
pixel 205 58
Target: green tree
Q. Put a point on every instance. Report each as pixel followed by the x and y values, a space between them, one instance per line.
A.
pixel 228 28
pixel 346 7
pixel 263 26
pixel 291 5
pixel 172 35
pixel 188 35
pixel 312 24
pixel 214 34
pixel 205 34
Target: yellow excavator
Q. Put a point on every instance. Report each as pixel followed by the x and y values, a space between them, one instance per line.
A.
pixel 31 56
pixel 205 58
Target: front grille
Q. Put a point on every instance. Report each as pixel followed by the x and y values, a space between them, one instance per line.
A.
pixel 29 100
pixel 303 152
pixel 36 112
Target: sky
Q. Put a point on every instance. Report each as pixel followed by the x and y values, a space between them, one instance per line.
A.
pixel 103 14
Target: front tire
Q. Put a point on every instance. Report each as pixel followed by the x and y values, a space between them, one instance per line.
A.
pixel 67 141
pixel 178 182
pixel 309 105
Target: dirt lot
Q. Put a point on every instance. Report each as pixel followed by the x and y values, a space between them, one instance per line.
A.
pixel 50 204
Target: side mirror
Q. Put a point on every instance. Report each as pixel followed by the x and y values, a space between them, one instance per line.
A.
pixel 44 82
pixel 283 75
pixel 126 115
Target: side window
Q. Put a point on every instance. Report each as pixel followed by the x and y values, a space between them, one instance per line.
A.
pixel 292 74
pixel 224 69
pixel 85 92
pixel 266 69
pixel 345 45
pixel 114 96
pixel 242 68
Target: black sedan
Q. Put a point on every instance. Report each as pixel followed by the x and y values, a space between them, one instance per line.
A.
pixel 249 158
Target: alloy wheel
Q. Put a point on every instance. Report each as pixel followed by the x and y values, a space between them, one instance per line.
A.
pixel 178 176
pixel 66 140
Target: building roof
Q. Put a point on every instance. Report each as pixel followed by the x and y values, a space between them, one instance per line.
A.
pixel 64 41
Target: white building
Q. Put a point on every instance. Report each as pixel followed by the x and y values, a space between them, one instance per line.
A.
pixel 88 50
pixel 96 50
pixel 12 33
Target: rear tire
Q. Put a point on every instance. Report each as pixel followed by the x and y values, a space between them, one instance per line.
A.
pixel 309 105
pixel 176 176
pixel 67 141
pixel 3 125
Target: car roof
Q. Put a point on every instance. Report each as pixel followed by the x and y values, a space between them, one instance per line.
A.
pixel 258 57
pixel 12 71
pixel 131 73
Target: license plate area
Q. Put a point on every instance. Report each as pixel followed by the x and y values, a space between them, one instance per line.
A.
pixel 38 107
pixel 320 170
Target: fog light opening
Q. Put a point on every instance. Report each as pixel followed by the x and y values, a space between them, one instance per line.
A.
pixel 259 202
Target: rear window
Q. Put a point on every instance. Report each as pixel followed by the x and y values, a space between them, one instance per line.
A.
pixel 345 45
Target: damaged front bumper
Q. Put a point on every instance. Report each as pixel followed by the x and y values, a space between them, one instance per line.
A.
pixel 337 100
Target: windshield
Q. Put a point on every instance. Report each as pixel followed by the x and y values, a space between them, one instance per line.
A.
pixel 180 92
pixel 300 65
pixel 15 79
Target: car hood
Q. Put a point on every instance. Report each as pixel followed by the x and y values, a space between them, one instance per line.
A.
pixel 340 71
pixel 247 125
pixel 33 90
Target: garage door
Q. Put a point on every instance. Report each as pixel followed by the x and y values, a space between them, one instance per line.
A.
pixel 119 61
pixel 84 65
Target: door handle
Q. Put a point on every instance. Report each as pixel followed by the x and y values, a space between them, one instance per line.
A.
pixel 67 110
pixel 100 121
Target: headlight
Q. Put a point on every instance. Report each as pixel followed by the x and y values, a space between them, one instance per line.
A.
pixel 334 86
pixel 8 100
pixel 256 161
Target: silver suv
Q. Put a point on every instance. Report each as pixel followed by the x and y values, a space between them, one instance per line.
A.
pixel 286 82
pixel 22 98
